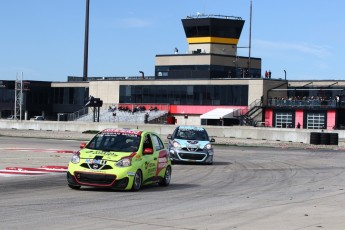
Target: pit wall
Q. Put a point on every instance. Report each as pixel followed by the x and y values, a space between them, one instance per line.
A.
pixel 244 132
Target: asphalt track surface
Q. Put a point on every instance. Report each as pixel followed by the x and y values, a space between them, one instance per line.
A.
pixel 246 188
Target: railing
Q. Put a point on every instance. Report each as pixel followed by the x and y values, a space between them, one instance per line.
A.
pixel 120 78
pixel 308 103
pixel 253 105
pixel 78 114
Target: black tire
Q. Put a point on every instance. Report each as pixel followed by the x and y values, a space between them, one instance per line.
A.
pixel 75 187
pixel 137 181
pixel 167 177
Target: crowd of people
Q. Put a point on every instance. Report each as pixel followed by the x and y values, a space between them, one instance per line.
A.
pixel 125 108
pixel 305 101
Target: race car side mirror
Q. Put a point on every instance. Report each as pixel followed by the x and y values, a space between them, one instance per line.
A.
pixel 212 140
pixel 169 136
pixel 82 145
pixel 148 151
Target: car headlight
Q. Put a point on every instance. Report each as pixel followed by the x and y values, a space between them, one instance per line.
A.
pixel 176 144
pixel 208 146
pixel 75 158
pixel 124 162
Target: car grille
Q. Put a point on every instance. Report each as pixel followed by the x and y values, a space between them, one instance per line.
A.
pixel 188 149
pixel 96 166
pixel 191 156
pixel 94 178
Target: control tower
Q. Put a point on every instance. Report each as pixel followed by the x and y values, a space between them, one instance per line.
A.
pixel 216 34
pixel 212 51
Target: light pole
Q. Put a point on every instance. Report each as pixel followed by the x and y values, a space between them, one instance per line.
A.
pixel 142 74
pixel 250 39
pixel 86 41
pixel 285 74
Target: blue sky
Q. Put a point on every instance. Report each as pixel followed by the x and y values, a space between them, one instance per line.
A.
pixel 44 39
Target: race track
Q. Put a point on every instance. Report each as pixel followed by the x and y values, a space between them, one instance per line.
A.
pixel 246 188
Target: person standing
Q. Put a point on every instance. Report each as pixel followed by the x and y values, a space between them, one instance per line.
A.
pixel 176 50
pixel 337 99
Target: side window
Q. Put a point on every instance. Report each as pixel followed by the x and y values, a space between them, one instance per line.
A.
pixel 157 142
pixel 147 142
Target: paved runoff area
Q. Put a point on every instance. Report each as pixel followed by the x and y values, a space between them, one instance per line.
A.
pixel 251 185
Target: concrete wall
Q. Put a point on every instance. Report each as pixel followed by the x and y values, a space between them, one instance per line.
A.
pixel 107 91
pixel 244 132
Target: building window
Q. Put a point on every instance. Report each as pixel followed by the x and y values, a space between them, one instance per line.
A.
pixel 284 120
pixel 316 121
pixel 235 95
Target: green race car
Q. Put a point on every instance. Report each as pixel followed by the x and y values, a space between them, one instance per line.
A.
pixel 120 159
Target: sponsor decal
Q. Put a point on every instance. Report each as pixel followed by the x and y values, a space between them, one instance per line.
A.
pixel 121 131
pixel 192 148
pixel 130 173
pixel 193 142
pixel 95 171
pixel 162 160
pixel 151 170
pixel 104 153
pixel 163 153
pixel 95 166
pixel 162 165
pixel 188 128
pixel 152 165
pixel 94 161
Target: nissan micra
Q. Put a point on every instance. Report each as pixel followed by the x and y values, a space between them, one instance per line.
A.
pixel 120 159
pixel 190 144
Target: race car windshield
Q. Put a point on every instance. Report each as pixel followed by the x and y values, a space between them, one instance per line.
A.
pixel 199 135
pixel 118 142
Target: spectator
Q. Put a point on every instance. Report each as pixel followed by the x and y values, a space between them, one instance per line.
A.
pixel 176 50
pixel 146 118
pixel 337 98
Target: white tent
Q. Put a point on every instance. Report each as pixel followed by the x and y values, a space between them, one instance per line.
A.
pixel 218 113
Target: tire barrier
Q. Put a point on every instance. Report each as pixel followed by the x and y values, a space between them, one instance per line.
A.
pixel 320 138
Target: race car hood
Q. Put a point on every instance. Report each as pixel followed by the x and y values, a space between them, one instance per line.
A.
pixel 187 143
pixel 105 155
